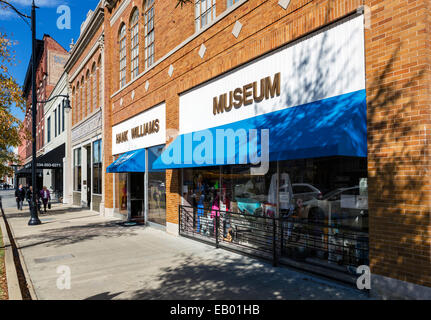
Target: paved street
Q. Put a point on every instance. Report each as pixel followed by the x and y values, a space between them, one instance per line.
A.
pixel 8 198
pixel 109 261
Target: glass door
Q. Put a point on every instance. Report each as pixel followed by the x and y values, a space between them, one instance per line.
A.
pixel 156 189
pixel 88 176
pixel 137 195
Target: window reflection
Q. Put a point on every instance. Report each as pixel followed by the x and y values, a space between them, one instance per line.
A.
pixel 156 189
pixel 121 192
pixel 331 191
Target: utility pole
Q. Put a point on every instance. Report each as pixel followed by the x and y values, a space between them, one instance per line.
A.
pixel 34 220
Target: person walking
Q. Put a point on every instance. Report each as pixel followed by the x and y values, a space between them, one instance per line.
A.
pixel 29 197
pixel 20 196
pixel 45 196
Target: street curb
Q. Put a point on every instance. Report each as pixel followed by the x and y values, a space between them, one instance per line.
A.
pixel 24 268
pixel 13 288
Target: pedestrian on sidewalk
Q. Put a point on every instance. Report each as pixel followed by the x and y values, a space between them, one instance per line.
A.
pixel 20 196
pixel 29 197
pixel 45 196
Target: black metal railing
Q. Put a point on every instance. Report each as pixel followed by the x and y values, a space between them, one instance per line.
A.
pixel 277 239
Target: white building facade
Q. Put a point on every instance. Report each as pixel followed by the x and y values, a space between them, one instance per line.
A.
pixel 57 156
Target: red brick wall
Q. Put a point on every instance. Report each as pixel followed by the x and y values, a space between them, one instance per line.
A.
pixel 81 113
pixel 50 45
pixel 266 26
pixel 397 75
pixel 398 98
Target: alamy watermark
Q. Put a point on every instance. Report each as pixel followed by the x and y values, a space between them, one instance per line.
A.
pixel 226 146
pixel 64 279
pixel 364 280
pixel 64 21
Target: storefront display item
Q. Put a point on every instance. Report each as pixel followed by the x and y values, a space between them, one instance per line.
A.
pixel 200 213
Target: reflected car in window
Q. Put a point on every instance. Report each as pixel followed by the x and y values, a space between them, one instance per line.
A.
pixel 340 207
pixel 306 192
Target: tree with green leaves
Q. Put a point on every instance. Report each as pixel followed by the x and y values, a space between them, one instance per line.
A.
pixel 10 97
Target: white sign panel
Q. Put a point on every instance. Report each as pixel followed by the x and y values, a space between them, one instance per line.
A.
pixel 324 65
pixel 145 130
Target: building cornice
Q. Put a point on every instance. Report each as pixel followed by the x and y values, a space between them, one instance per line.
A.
pixel 85 38
pixel 119 11
pixel 109 4
pixel 98 45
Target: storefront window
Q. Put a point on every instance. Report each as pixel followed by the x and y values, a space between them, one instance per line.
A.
pixel 156 189
pixel 201 187
pixel 77 169
pixel 97 167
pixel 322 207
pixel 121 192
pixel 249 194
pixel 330 191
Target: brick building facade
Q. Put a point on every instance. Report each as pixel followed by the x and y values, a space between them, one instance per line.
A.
pixel 190 52
pixel 51 58
pixel 86 86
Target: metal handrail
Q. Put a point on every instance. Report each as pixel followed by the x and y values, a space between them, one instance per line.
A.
pixel 273 238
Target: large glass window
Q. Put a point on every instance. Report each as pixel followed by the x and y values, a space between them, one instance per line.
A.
pixel 55 122
pixel 250 194
pixel 121 193
pixel 332 191
pixel 62 118
pixel 134 28
pixel 201 186
pixel 88 89
pixel 205 13
pixel 123 55
pixel 77 169
pixel 48 132
pixel 59 118
pixel 78 102
pixel 94 87
pixel 234 189
pixel 97 167
pixel 149 33
pixel 156 189
pixel 73 105
pixel 322 204
pixel 82 99
pixel 100 80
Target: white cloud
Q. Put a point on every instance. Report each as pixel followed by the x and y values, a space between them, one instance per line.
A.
pixel 25 5
pixel 6 15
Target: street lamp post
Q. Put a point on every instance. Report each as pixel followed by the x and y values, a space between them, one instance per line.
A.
pixel 34 220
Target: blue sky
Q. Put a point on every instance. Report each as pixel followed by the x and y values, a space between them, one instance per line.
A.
pixel 18 31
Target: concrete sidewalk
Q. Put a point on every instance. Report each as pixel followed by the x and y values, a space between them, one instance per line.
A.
pixel 109 261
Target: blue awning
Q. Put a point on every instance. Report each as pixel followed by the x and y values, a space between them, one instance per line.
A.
pixel 335 126
pixel 132 161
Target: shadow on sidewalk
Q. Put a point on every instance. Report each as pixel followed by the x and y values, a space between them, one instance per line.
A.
pixel 14 213
pixel 59 237
pixel 222 278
